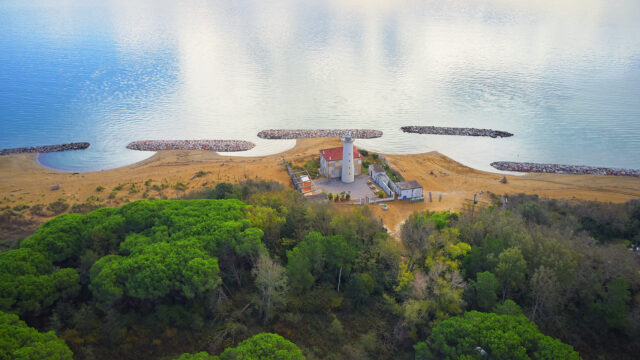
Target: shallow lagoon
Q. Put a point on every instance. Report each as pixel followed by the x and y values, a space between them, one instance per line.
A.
pixel 564 78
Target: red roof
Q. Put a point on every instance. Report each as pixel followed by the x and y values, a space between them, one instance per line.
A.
pixel 335 154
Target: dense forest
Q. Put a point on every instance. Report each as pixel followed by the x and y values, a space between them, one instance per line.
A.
pixel 254 271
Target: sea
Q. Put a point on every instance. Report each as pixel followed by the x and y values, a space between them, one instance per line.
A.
pixel 562 76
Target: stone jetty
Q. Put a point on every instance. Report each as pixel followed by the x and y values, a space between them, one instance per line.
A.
pixel 563 169
pixel 437 130
pixel 302 133
pixel 207 145
pixel 46 148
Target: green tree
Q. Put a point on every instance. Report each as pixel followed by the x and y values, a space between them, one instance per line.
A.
pixel 263 346
pixel 18 341
pixel 511 270
pixel 29 284
pixel 299 270
pixel 487 286
pixel 476 335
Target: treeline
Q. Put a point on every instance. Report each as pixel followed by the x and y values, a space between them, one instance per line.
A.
pixel 221 273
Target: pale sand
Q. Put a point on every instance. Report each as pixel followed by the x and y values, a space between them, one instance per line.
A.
pixel 24 181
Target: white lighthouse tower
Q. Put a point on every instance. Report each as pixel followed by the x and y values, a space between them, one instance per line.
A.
pixel 347 160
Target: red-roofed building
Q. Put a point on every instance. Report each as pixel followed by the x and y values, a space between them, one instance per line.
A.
pixel 331 162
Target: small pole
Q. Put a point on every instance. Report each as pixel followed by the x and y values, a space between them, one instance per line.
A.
pixel 430 196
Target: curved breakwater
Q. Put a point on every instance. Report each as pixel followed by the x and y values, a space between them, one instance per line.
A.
pixel 207 145
pixel 46 148
pixel 302 133
pixel 437 130
pixel 563 169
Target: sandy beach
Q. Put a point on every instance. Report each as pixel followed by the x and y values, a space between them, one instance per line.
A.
pixel 25 181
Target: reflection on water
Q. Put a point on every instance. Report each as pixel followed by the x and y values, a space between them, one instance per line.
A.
pixel 564 76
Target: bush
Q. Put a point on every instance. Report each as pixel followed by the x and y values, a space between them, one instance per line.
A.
pixel 364 152
pixel 200 173
pixel 84 208
pixel 38 210
pixel 58 207
pixel 100 189
pixel 179 186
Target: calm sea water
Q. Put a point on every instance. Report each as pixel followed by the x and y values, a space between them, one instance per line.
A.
pixel 564 76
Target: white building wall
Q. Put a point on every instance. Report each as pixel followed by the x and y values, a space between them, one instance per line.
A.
pixel 348 171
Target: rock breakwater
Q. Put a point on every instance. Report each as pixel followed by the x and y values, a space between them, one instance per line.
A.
pixel 46 148
pixel 302 134
pixel 207 145
pixel 563 169
pixel 437 130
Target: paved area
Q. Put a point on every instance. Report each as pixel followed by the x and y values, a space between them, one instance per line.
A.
pixel 358 188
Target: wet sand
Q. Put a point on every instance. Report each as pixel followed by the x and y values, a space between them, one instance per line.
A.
pixel 24 181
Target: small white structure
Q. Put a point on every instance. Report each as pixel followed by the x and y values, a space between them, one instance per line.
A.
pixel 375 170
pixel 348 166
pixel 407 189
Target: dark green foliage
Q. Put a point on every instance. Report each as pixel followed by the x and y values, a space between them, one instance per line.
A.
pixel 29 283
pixel 477 335
pixel 486 287
pixel 152 271
pixel 572 286
pixel 18 341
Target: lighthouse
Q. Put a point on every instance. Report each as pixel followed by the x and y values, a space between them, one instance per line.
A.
pixel 347 159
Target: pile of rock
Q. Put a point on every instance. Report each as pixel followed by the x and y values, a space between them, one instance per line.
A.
pixel 563 169
pixel 437 130
pixel 46 148
pixel 210 145
pixel 301 133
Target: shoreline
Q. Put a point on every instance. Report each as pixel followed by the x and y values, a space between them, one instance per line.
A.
pixel 171 174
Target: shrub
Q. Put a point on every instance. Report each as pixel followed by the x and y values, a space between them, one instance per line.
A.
pixel 364 152
pixel 38 210
pixel 119 187
pixel 100 189
pixel 201 173
pixel 179 186
pixel 58 207
pixel 84 208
